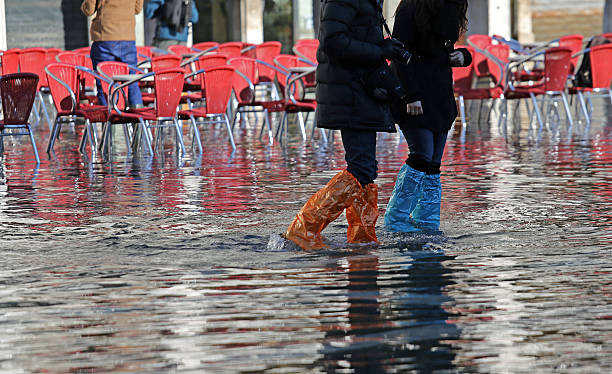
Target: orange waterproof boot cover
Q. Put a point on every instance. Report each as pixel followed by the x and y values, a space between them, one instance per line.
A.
pixel 362 215
pixel 322 208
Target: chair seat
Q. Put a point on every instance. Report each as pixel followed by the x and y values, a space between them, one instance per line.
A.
pixel 193 96
pixel 300 107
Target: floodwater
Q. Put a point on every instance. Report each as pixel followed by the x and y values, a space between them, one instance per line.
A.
pixel 163 265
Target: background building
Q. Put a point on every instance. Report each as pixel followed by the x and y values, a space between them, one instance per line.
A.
pixel 59 23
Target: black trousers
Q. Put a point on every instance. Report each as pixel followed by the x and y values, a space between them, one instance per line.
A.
pixel 360 154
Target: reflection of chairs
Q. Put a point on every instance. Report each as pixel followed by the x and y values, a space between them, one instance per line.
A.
pixel 17 92
pixel 601 75
pixel 218 90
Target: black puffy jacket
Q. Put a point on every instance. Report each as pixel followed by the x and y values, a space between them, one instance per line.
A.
pixel 349 36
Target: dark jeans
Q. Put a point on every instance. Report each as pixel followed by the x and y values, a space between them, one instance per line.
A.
pixel 120 50
pixel 360 154
pixel 425 144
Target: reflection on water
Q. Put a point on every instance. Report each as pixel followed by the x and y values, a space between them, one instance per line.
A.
pixel 140 265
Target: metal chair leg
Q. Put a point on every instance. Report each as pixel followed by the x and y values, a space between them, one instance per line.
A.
pixel 33 143
pixel 196 133
pixel 54 131
pixel 568 112
pixel 536 109
pixel 229 131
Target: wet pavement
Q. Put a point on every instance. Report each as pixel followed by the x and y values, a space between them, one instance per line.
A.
pixel 163 265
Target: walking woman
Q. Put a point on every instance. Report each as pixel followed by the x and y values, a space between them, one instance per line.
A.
pixel 429 30
pixel 351 44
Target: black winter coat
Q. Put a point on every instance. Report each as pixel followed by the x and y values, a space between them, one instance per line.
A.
pixel 428 77
pixel 349 36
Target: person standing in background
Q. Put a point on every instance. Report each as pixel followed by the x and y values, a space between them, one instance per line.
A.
pixel 429 29
pixel 113 34
pixel 174 17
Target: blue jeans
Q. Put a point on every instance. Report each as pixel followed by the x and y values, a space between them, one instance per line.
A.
pixel 122 51
pixel 425 144
pixel 360 154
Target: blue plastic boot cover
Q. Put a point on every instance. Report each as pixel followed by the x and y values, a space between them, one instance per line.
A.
pixel 403 200
pixel 426 214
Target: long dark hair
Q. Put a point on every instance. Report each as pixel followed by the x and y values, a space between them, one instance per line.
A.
pixel 425 10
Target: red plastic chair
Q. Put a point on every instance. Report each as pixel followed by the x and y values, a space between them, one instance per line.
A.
pixel 51 53
pixel 73 58
pixel 307 49
pixel 17 92
pixel 553 83
pixel 266 52
pixel 601 74
pixel 205 46
pixel 249 50
pixel 10 61
pixel 180 50
pixel 231 49
pixel 64 86
pixel 480 41
pixel 144 53
pixel 574 43
pixel 108 69
pixel 204 62
pixel 33 60
pixel 218 90
pixel 168 90
pixel 165 62
pixel 83 50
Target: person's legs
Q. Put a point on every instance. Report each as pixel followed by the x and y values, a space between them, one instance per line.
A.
pixel 340 192
pixel 362 212
pixel 101 51
pixel 407 189
pixel 426 214
pixel 129 55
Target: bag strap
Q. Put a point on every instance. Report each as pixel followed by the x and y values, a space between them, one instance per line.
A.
pixel 378 5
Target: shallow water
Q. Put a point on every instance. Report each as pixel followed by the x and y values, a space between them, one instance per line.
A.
pixel 163 265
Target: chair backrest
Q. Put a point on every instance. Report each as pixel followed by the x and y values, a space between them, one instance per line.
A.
pixel 179 49
pixel 502 52
pixel 144 53
pixel 10 61
pixel 574 43
pixel 32 60
pixel 231 49
pixel 168 90
pixel 284 62
pixel 266 53
pixel 68 74
pixel 165 62
pixel 480 64
pixel 556 68
pixel 51 53
pixel 203 46
pixel 249 50
pixel 17 91
pixel 307 50
pixel 218 88
pixel 601 65
pixel 112 68
pixel 464 76
pixel 248 67
pixel 69 57
pixel 83 50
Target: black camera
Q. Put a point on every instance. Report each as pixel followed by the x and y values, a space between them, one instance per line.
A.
pixel 403 56
pixel 383 84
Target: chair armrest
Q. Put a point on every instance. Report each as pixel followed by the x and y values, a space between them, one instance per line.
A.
pixel 112 102
pixel 291 83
